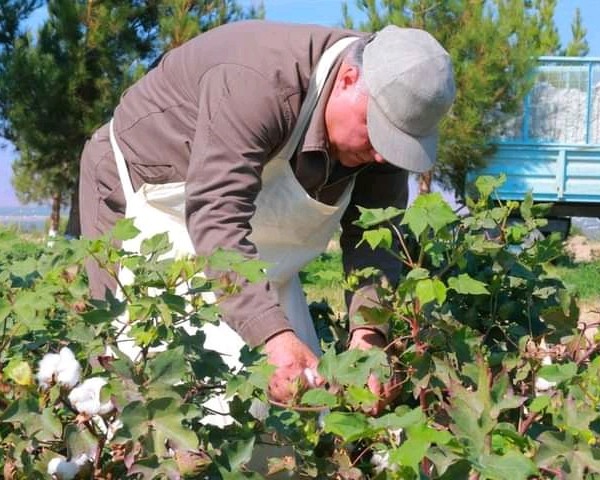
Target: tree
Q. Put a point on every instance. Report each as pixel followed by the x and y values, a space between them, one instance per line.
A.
pixel 546 34
pixel 493 44
pixel 62 84
pixel 578 46
pixel 12 14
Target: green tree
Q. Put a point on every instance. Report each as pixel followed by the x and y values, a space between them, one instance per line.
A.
pixel 493 44
pixel 60 85
pixel 578 46
pixel 12 14
pixel 546 34
pixel 181 20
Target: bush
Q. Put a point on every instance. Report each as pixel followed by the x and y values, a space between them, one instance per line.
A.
pixel 479 397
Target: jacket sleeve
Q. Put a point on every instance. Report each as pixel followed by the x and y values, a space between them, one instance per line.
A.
pixel 241 121
pixel 379 186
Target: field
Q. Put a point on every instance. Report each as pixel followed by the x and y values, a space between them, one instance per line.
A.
pixel 482 392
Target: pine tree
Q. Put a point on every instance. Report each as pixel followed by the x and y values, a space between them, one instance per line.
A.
pixel 60 85
pixel 12 15
pixel 493 45
pixel 546 34
pixel 578 46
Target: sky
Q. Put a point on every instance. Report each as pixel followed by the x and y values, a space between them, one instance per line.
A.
pixel 329 12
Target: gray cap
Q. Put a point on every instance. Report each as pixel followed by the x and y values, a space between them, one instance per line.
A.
pixel 411 86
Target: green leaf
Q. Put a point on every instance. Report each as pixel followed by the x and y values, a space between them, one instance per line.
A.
pixel 466 285
pixel 429 290
pixel 513 465
pixel 409 454
pixel 157 244
pixel 319 397
pixel 558 448
pixel 429 210
pixel 50 426
pixel 19 372
pixel 166 419
pixel 95 317
pixel 348 426
pixel 540 403
pixel 361 396
pixel 238 453
pixel 380 238
pixel 135 420
pixel 252 270
pixel 167 367
pixel 125 229
pixel 400 419
pixel 418 274
pixel 558 372
pixel 369 217
pixel 486 184
pixel 20 410
pixel 5 309
pixel 80 440
pixel 327 365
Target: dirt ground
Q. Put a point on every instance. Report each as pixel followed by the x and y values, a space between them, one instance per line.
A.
pixel 582 249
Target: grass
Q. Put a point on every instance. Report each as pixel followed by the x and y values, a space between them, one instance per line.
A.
pixel 322 280
pixel 581 278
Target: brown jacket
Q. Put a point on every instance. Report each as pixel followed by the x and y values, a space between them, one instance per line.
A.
pixel 212 113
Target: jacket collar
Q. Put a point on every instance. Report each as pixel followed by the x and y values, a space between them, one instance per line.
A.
pixel 315 138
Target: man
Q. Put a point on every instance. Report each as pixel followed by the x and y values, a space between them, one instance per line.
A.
pixel 276 132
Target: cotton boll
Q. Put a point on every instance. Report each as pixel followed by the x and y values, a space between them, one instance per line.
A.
pixel 380 461
pixel 82 459
pixel 113 428
pixel 47 369
pixel 321 418
pixel 86 397
pixel 61 469
pixel 53 465
pixel 69 370
pixel 541 384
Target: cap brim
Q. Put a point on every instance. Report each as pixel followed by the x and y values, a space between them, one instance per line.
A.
pixel 416 154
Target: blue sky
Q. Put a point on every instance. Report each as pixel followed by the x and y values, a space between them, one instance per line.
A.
pixel 329 12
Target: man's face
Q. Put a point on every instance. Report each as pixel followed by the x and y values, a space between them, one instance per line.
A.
pixel 346 120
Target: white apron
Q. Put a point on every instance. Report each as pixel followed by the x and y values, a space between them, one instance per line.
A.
pixel 289 228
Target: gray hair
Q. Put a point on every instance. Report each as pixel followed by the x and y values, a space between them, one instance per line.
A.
pixel 354 56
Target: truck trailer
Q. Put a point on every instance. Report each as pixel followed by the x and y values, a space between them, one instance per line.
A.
pixel 552 146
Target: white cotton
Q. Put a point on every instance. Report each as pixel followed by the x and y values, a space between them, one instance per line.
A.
pixel 113 428
pixel 61 469
pixel 310 377
pixel 47 369
pixel 321 418
pixel 86 397
pixel 82 459
pixel 69 370
pixel 380 461
pixel 541 384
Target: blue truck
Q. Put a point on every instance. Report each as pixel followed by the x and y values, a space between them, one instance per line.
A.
pixel 552 147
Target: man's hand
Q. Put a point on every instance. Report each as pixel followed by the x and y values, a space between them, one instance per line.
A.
pixel 291 357
pixel 363 339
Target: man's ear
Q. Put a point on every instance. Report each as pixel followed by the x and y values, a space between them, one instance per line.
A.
pixel 348 75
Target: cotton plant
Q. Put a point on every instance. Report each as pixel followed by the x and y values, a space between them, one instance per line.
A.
pixel 63 369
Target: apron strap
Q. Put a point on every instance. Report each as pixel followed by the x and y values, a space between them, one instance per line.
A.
pixel 121 165
pixel 315 86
